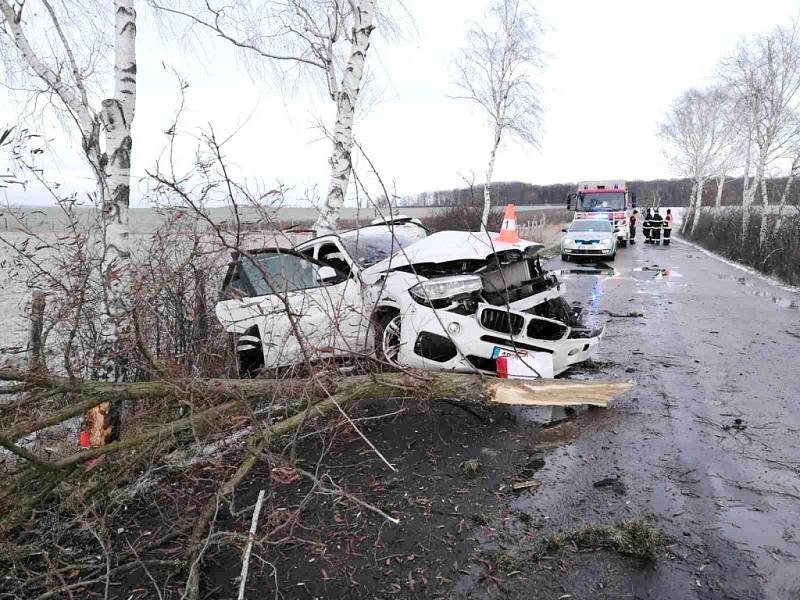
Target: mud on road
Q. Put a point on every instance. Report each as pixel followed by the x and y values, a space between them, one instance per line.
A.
pixel 704 450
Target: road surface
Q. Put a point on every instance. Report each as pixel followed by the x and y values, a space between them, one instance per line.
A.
pixel 715 344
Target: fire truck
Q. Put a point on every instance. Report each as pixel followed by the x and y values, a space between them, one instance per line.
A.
pixel 605 200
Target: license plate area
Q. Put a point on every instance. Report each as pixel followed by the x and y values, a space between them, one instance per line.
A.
pixel 499 351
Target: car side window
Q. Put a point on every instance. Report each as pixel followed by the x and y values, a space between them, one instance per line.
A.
pixel 277 273
pixel 332 255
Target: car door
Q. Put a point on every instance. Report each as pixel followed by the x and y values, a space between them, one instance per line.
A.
pixel 266 288
pixel 352 322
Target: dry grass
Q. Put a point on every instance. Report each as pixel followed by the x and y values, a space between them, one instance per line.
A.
pixel 635 537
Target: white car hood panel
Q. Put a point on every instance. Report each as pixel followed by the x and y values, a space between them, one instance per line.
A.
pixel 446 246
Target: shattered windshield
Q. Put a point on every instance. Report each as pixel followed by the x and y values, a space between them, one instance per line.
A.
pixel 370 245
pixel 605 201
pixel 591 225
pixel 284 273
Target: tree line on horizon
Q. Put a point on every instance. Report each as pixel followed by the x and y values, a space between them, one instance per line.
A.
pixel 649 192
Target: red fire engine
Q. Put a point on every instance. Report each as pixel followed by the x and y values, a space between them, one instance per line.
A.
pixel 606 200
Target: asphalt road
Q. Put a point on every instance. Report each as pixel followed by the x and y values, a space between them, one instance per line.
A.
pixel 714 344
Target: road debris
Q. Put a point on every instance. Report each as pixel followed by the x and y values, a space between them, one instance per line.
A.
pixel 614 484
pixel 470 467
pixel 737 425
pixel 526 485
pixel 633 314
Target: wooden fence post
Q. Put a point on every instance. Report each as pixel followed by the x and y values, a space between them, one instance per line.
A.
pixel 36 361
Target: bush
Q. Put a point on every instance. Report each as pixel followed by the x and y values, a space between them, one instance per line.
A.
pixel 721 231
pixel 466 217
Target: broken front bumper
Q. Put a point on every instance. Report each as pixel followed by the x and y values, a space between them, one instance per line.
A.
pixel 446 341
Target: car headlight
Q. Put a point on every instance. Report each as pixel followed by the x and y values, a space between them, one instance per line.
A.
pixel 445 288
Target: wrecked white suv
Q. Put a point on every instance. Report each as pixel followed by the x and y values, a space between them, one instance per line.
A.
pixel 452 301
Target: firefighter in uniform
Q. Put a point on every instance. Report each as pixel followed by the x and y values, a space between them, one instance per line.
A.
pixel 646 227
pixel 668 227
pixel 632 234
pixel 656 228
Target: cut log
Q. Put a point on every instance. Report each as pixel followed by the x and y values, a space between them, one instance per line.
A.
pixel 557 392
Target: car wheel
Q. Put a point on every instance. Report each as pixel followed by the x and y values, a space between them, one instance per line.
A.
pixel 387 338
pixel 565 257
pixel 623 243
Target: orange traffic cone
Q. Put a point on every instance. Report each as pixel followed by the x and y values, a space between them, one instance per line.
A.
pixel 508 232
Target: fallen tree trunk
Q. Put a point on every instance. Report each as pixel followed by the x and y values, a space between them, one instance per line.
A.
pixel 412 385
pixel 427 385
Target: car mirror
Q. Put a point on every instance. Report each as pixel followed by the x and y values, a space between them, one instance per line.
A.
pixel 564 230
pixel 327 275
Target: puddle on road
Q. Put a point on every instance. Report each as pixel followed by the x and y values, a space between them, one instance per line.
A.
pixel 603 269
pixel 595 269
pixel 782 301
pixel 740 280
pixel 546 416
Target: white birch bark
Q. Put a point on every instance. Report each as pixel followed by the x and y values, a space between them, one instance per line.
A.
pixel 747 194
pixel 786 189
pixel 698 203
pixel 487 194
pixel 346 97
pixel 117 116
pixel 690 209
pixel 720 186
pixel 759 183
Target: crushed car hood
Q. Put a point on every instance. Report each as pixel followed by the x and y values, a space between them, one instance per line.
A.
pixel 446 246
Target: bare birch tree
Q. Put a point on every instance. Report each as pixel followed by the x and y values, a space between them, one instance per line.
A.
pixel 47 45
pixel 764 74
pixel 327 39
pixel 105 130
pixel 497 72
pixel 698 138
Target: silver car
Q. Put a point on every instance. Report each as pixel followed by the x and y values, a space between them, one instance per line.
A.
pixel 592 238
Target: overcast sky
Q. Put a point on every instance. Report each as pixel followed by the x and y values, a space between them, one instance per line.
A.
pixel 612 69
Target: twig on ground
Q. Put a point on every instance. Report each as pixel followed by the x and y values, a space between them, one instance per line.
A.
pixel 108 562
pixel 249 547
pixel 337 491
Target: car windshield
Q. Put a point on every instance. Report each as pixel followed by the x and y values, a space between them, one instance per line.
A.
pixel 604 201
pixel 591 225
pixel 274 273
pixel 370 245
